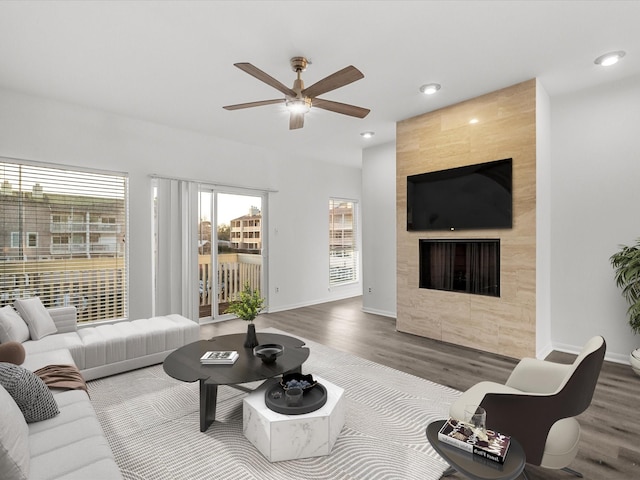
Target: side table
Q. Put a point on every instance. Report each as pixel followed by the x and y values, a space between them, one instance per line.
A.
pixel 473 466
pixel 288 437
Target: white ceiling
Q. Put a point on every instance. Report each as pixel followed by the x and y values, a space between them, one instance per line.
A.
pixel 172 62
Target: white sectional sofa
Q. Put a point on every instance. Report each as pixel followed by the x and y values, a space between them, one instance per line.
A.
pixel 107 349
pixel 71 445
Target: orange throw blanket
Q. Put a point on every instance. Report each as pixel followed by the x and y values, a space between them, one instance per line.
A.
pixel 62 376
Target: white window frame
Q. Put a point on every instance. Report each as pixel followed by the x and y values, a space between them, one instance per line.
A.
pixel 99 290
pixel 344 263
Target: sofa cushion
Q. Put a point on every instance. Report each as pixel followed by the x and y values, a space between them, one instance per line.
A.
pixel 14 440
pixel 12 326
pixel 68 341
pixel 34 361
pixel 35 314
pixel 12 352
pixel 71 445
pixel 29 392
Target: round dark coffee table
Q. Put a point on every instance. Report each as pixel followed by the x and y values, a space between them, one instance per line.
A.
pixel 184 364
pixel 474 466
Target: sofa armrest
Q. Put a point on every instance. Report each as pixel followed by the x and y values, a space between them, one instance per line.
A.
pixel 539 376
pixel 65 318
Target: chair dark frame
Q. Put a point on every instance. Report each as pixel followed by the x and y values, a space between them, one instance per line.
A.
pixel 530 417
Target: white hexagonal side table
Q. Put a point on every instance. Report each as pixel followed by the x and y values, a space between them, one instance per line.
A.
pixel 287 437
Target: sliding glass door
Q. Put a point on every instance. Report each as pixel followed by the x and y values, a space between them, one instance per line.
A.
pixel 231 248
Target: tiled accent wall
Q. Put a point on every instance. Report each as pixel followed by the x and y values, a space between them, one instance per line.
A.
pixel 506 128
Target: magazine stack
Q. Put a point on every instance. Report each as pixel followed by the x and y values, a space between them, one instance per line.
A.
pixel 488 444
pixel 225 357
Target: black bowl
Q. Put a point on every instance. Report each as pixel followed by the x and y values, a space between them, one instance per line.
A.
pixel 268 352
pixel 299 377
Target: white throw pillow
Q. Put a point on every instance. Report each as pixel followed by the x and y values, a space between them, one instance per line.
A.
pixel 14 440
pixel 12 327
pixel 38 319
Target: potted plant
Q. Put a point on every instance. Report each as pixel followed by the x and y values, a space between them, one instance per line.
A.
pixel 247 307
pixel 626 263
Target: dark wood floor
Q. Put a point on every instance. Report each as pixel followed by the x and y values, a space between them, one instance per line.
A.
pixel 610 444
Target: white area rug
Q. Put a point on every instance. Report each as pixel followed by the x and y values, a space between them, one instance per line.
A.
pixel 152 424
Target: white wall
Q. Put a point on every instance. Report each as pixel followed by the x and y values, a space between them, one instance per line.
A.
pixel 48 131
pixel 595 206
pixel 379 229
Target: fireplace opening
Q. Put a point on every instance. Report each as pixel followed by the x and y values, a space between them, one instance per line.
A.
pixel 469 266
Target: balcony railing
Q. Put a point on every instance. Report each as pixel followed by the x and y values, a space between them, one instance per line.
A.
pixel 71 227
pixel 232 273
pixel 71 248
pixel 96 287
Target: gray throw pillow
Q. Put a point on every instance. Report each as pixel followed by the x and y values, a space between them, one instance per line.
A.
pixel 35 314
pixel 12 327
pixel 30 393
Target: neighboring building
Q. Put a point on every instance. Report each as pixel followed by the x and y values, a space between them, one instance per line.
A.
pixel 341 221
pixel 37 226
pixel 245 231
pixel 66 249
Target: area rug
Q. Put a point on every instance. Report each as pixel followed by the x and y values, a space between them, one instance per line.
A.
pixel 152 424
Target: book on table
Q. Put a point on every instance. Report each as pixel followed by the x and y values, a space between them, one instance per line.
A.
pixel 219 357
pixel 489 444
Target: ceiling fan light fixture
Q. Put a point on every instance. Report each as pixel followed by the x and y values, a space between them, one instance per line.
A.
pixel 367 134
pixel 299 105
pixel 430 88
pixel 609 59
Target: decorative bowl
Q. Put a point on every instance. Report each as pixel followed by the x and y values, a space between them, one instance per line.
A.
pixel 298 380
pixel 268 352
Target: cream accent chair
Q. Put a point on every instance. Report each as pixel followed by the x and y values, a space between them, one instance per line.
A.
pixel 538 403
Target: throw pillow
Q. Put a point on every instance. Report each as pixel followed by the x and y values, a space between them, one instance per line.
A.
pixel 12 352
pixel 14 440
pixel 30 393
pixel 38 319
pixel 12 327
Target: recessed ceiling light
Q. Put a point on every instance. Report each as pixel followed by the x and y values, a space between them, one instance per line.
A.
pixel 609 59
pixel 430 88
pixel 367 134
pixel 473 120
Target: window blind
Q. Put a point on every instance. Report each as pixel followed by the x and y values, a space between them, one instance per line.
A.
pixel 62 238
pixel 343 253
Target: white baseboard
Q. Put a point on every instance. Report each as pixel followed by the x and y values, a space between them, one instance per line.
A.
pixel 282 308
pixel 383 313
pixel 576 349
pixel 542 353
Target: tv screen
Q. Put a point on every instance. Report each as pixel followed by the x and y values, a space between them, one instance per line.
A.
pixel 469 197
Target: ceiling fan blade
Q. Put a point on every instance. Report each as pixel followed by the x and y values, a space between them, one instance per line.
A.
pixel 336 80
pixel 296 120
pixel 343 108
pixel 265 77
pixel 253 104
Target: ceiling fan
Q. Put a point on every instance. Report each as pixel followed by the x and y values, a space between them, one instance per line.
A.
pixel 298 99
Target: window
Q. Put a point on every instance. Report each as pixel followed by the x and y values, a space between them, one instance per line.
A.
pixel 343 251
pixel 52 244
pixel 32 239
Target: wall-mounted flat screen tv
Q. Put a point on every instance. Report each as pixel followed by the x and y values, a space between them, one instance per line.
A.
pixel 470 197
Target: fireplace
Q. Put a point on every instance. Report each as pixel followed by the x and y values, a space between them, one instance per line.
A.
pixel 468 266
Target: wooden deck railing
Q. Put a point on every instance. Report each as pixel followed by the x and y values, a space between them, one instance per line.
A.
pixel 232 273
pixel 95 286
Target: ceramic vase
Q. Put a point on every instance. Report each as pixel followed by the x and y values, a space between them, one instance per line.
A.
pixel 634 359
pixel 251 340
